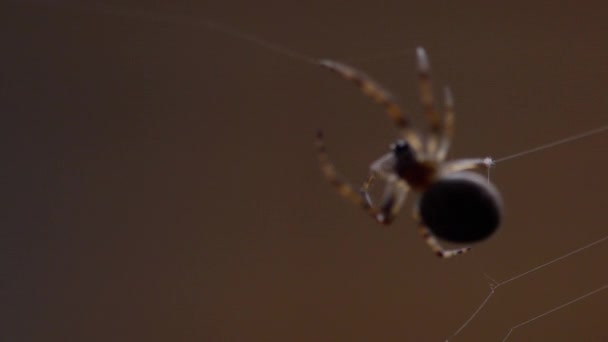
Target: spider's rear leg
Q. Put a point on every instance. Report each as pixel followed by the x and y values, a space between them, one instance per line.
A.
pixel 435 246
pixel 433 243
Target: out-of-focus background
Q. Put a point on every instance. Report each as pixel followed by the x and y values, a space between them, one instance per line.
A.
pixel 160 181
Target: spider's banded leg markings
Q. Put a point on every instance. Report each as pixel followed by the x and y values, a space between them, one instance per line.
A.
pixel 432 242
pixel 448 126
pixel 465 164
pixel 378 94
pixel 344 189
pixel 426 98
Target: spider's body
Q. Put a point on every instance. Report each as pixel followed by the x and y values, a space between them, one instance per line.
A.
pixel 461 207
pixel 455 205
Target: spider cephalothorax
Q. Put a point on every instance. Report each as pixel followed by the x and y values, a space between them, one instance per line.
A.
pixel 454 205
pixel 418 174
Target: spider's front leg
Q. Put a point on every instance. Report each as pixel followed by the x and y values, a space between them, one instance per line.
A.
pixel 394 194
pixel 342 187
pixel 379 95
pixel 395 190
pixel 364 190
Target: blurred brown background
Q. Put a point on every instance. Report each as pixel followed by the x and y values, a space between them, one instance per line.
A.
pixel 160 182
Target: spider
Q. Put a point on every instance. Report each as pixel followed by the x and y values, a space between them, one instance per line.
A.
pixel 454 204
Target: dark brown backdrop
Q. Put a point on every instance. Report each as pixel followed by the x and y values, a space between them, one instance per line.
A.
pixel 160 182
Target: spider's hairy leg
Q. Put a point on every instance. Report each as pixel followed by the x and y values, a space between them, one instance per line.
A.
pixel 342 187
pixel 432 242
pixel 465 164
pixel 378 94
pixel 447 134
pixel 426 97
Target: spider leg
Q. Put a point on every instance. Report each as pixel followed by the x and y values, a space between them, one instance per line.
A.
pixel 395 193
pixel 432 241
pixel 342 187
pixel 448 126
pixel 465 164
pixel 384 165
pixel 426 97
pixel 436 247
pixel 379 95
pixel 364 190
pixel 395 190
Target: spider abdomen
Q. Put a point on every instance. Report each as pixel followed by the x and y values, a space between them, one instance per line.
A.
pixel 461 207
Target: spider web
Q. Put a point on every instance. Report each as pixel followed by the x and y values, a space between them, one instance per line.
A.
pixel 512 160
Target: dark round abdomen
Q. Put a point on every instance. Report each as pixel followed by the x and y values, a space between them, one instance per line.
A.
pixel 461 207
